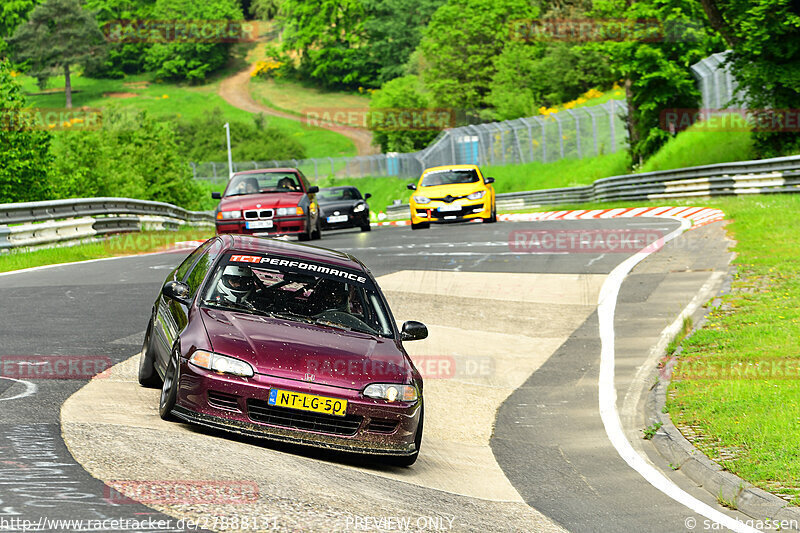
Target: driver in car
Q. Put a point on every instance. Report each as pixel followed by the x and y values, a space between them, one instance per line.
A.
pixel 237 285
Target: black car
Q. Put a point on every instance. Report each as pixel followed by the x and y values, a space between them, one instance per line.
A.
pixel 343 207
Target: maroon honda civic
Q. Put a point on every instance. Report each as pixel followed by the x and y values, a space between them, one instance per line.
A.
pixel 285 341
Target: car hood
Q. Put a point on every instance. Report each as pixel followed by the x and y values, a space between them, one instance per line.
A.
pixel 455 189
pixel 291 350
pixel 341 206
pixel 267 201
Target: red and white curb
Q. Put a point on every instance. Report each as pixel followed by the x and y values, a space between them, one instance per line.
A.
pixel 698 216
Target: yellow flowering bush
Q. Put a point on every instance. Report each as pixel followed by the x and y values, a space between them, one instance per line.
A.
pixel 265 69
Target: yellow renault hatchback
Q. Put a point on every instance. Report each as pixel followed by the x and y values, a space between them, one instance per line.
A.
pixel 452 193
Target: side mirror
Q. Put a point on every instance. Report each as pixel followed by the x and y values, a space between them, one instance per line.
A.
pixel 313 189
pixel 413 331
pixel 216 195
pixel 411 186
pixel 175 290
pixel 488 180
pixel 367 196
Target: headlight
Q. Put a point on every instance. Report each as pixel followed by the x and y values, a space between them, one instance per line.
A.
pixel 476 195
pixel 422 199
pixel 287 211
pixel 229 215
pixel 391 392
pixel 221 363
pixel 359 208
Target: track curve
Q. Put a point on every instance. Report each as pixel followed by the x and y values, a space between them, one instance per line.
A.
pixel 542 464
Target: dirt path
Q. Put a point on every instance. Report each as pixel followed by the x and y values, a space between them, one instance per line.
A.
pixel 235 91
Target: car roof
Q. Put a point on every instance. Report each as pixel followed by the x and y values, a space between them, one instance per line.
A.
pixel 451 167
pixel 281 170
pixel 307 252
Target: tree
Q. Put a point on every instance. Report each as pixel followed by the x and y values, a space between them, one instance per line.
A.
pixel 656 69
pixel 12 14
pixel 393 29
pixel 195 57
pixel 394 109
pixel 122 57
pixel 765 38
pixel 460 44
pixel 265 9
pixel 57 35
pixel 328 37
pixel 24 151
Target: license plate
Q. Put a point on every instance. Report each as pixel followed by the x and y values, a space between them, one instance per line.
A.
pixel 307 402
pixel 258 224
pixel 337 218
pixel 447 208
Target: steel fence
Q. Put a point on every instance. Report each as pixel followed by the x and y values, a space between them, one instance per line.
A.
pixel 717 84
pixel 572 133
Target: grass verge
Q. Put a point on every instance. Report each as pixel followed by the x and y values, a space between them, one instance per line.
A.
pixel 737 379
pixel 118 245
pixel 141 93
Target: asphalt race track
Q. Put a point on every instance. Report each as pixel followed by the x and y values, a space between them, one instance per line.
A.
pixel 513 436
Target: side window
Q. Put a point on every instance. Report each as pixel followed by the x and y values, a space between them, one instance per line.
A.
pixel 198 273
pixel 183 269
pixel 303 180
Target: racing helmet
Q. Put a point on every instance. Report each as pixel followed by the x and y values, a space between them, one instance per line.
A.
pixel 235 283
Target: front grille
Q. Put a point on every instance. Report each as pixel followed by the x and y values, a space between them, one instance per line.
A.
pixel 468 210
pixel 258 214
pixel 223 401
pixel 261 411
pixel 382 425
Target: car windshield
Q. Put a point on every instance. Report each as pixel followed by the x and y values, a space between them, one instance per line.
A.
pixel 338 195
pixel 264 182
pixel 448 177
pixel 301 291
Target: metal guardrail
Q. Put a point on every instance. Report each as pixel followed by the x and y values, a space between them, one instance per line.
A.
pixel 777 175
pixel 29 224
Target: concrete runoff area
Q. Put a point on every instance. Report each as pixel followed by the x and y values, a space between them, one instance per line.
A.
pixel 106 422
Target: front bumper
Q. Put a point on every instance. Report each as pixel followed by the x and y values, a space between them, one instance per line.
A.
pixel 354 220
pixel 239 405
pixel 280 226
pixel 467 211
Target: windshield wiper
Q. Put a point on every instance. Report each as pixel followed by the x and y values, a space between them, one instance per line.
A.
pixel 291 316
pixel 237 307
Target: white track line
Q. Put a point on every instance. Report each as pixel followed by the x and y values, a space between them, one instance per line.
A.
pixel 30 388
pixel 607 397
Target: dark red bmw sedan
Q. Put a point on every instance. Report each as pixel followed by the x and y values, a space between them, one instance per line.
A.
pixel 269 202
pixel 285 341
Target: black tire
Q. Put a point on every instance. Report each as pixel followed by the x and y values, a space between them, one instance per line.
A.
pixel 307 235
pixel 317 233
pixel 169 390
pixel 366 227
pixel 493 218
pixel 148 376
pixel 421 225
pixel 408 460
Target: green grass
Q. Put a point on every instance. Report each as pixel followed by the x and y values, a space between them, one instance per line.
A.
pixel 294 97
pixel 747 421
pixel 126 244
pixel 167 99
pixel 701 145
pixel 749 416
